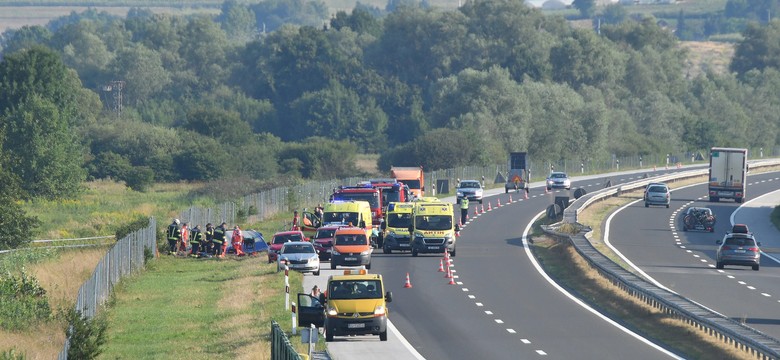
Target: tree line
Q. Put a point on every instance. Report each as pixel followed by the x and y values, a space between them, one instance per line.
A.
pixel 277 90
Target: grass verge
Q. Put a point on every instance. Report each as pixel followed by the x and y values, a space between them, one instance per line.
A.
pixel 199 309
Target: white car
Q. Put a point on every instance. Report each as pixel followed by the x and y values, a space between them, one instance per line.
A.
pixel 299 256
pixel 558 180
pixel 470 189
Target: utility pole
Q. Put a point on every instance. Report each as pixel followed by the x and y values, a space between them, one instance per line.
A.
pixel 115 87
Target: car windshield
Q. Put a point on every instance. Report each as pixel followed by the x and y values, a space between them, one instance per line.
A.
pixel 324 233
pixel 391 196
pixel 298 249
pixel 341 217
pixel 355 289
pixel 350 239
pixel 371 197
pixel 558 176
pixel 399 220
pixel 469 185
pixel 740 242
pixel 433 222
pixel 412 184
pixel 281 239
pixel 657 189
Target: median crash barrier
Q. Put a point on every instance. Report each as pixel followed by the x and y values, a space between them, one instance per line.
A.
pixel 281 348
pixel 725 329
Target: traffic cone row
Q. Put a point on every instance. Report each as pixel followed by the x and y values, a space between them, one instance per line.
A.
pixel 408 283
pixel 441 265
pixel 452 278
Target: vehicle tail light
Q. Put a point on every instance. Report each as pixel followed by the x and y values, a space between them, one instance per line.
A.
pixel 753 249
pixel 726 247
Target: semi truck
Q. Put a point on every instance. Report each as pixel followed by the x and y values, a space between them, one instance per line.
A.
pixel 728 171
pixel 413 177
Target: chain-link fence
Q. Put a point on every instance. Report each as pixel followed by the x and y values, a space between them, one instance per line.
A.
pixel 125 257
pixel 225 212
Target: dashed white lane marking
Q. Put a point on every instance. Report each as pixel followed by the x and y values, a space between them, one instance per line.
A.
pixel 460 283
pixel 511 331
pixel 499 321
pixel 696 255
pixel 479 304
pixel 765 294
pixel 541 352
pixel 730 276
pixel 465 289
pixel 488 312
pixel 751 287
pixel 741 283
pixel 472 297
pixel 526 341
pixel 703 260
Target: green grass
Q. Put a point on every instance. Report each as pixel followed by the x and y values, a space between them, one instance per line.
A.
pixel 105 206
pixel 199 309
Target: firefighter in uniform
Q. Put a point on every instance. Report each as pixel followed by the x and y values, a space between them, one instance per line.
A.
pixel 174 235
pixel 208 246
pixel 219 239
pixel 196 238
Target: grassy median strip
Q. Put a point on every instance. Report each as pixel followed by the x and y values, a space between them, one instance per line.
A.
pixel 200 309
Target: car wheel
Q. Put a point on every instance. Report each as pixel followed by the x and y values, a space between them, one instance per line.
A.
pixel 667 206
pixel 714 199
pixel 480 201
pixel 506 191
pixel 712 229
pixel 549 188
pixel 755 267
pixel 368 267
pixel 685 228
pixel 317 273
pixel 414 252
pixel 387 250
pixel 452 253
pixel 719 265
pixel 329 335
pixel 332 265
pixel 383 336
pixel 647 205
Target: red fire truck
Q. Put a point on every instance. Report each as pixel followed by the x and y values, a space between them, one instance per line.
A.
pixel 362 193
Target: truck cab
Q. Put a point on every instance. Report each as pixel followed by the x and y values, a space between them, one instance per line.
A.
pixel 354 303
pixel 433 228
pixel 414 177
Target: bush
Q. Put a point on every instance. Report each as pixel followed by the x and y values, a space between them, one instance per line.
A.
pixel 138 223
pixel 23 302
pixel 11 355
pixel 86 335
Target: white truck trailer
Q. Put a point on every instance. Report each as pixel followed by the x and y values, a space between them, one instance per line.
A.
pixel 728 171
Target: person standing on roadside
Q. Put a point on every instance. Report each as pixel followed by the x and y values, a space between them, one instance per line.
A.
pixel 464 210
pixel 296 223
pixel 174 235
pixel 185 237
pixel 208 246
pixel 238 241
pixel 219 240
pixel 196 238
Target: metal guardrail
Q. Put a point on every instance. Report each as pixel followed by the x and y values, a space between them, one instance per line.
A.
pixel 281 348
pixel 124 258
pixel 725 329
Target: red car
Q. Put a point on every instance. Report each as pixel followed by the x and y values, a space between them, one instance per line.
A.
pixel 275 245
pixel 323 240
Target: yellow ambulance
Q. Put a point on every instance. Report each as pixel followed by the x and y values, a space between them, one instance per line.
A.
pixel 433 228
pixel 395 228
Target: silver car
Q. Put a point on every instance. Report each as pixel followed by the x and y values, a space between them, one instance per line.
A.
pixel 738 249
pixel 558 180
pixel 299 256
pixel 470 189
pixel 657 194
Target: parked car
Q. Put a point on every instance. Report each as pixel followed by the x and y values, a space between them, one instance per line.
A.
pixel 323 240
pixel 738 249
pixel 558 180
pixel 299 256
pixel 657 194
pixel 740 229
pixel 275 245
pixel 469 189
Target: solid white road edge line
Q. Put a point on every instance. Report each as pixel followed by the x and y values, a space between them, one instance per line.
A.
pixel 405 343
pixel 580 302
pixel 734 214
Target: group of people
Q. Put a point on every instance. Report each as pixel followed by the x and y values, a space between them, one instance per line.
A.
pixel 203 243
pixel 296 222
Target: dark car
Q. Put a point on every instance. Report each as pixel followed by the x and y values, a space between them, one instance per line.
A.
pixel 740 229
pixel 323 240
pixel 275 245
pixel 738 249
pixel 698 218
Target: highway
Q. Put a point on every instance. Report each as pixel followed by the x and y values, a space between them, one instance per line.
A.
pixel 502 307
pixel 684 262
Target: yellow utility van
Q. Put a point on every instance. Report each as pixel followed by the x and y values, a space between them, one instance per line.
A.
pixel 343 212
pixel 351 247
pixel 395 228
pixel 433 228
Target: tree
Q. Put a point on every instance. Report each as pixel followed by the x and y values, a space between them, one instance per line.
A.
pixel 614 14
pixel 18 227
pixel 759 49
pixel 586 7
pixel 13 40
pixel 238 21
pixel 142 70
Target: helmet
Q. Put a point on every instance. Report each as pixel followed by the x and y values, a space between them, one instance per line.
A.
pixel 176 221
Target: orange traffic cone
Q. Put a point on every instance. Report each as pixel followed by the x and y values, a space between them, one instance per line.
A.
pixel 441 265
pixel 490 208
pixel 499 203
pixel 482 210
pixel 447 258
pixel 448 274
pixel 526 195
pixel 408 283
pixel 510 199
pixel 452 278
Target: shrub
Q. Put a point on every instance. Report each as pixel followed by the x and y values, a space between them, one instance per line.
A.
pixel 11 355
pixel 86 335
pixel 138 223
pixel 23 302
